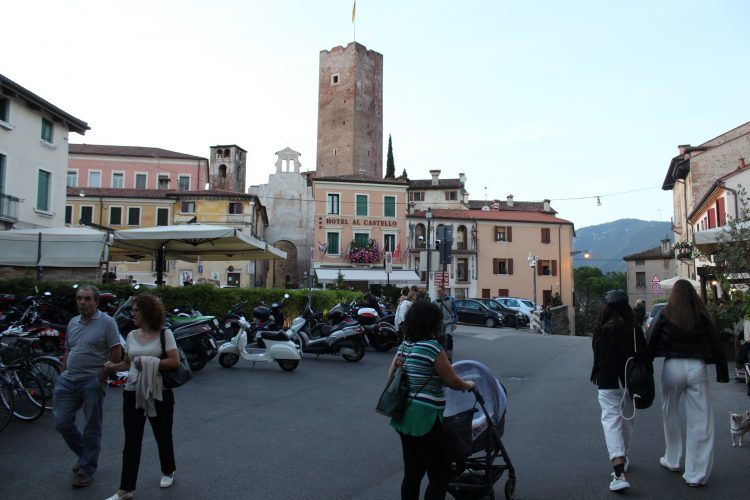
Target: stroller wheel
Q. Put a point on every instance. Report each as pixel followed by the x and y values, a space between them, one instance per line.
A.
pixel 510 488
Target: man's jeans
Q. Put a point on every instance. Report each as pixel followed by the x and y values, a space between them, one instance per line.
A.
pixel 69 397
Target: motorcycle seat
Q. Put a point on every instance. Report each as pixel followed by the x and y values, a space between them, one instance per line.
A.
pixel 278 336
pixel 56 326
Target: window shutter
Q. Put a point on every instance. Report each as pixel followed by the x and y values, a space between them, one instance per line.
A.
pixel 554 268
pixel 539 268
pixel 503 292
pixel 485 293
pixel 545 235
pixel 495 266
pixel 711 218
pixel 721 212
pixel 510 266
pixel 509 234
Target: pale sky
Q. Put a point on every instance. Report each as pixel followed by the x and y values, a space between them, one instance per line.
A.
pixel 539 99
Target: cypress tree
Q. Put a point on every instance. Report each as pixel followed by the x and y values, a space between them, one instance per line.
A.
pixel 390 168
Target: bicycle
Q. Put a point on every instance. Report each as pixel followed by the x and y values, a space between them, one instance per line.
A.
pixel 21 352
pixel 6 401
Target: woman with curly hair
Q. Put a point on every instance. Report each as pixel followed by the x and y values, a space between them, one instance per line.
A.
pixel 144 395
pixel 421 429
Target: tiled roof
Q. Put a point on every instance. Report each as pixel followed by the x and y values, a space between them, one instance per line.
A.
pixel 523 206
pixel 120 192
pixel 650 254
pixel 427 184
pixel 134 151
pixel 360 178
pixel 211 193
pixel 492 215
pixel 74 124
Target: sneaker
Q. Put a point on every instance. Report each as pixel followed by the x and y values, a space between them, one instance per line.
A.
pixel 166 481
pixel 618 483
pixel 663 462
pixel 81 480
pixel 122 495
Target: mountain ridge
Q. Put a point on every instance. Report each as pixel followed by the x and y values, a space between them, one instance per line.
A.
pixel 609 242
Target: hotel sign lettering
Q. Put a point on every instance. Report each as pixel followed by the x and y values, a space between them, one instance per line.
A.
pixel 361 222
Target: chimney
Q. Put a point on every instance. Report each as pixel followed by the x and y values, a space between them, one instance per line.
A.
pixel 742 164
pixel 435 174
pixel 546 206
pixel 666 245
pixel 683 148
pixel 510 200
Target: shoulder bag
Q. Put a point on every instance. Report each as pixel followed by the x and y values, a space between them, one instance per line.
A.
pixel 395 398
pixel 178 376
pixel 639 376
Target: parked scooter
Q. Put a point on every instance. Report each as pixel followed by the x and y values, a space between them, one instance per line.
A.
pixel 268 347
pixel 380 334
pixel 346 338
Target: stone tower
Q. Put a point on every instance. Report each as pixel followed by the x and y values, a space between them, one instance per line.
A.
pixel 350 112
pixel 226 168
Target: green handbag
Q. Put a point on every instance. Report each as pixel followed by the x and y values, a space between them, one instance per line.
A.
pixel 395 397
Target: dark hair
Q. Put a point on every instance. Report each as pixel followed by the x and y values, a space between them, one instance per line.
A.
pixel 94 291
pixel 423 321
pixel 151 309
pixel 619 312
pixel 684 308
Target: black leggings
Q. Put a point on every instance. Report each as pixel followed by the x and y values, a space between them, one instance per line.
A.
pixel 425 454
pixel 134 422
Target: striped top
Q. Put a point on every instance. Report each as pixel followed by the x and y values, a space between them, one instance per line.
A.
pixel 419 361
pixel 428 404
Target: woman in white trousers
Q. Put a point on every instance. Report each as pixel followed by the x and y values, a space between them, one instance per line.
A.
pixel 686 337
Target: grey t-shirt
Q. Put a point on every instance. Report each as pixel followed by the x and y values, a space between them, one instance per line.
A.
pixel 134 348
pixel 88 345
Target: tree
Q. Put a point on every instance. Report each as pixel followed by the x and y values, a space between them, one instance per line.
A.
pixel 404 175
pixel 590 287
pixel 390 166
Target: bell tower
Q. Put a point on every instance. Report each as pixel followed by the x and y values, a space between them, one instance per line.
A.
pixel 226 168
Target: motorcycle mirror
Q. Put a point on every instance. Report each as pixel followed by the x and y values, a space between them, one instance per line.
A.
pixel 136 286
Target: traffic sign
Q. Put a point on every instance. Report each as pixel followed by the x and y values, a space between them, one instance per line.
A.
pixel 655 279
pixel 655 288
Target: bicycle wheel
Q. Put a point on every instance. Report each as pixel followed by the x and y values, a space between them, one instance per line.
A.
pixel 28 392
pixel 6 402
pixel 47 370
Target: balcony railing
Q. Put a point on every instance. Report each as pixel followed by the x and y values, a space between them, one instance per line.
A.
pixel 9 208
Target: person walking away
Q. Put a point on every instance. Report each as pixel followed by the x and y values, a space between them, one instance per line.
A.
pixel 421 429
pixel 639 312
pixel 403 307
pixel 613 344
pixel 450 318
pixel 686 337
pixel 144 395
pixel 91 339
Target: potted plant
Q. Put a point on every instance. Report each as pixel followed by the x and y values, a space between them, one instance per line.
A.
pixel 368 254
pixel 683 250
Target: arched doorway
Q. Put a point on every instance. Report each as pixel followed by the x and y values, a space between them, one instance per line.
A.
pixel 285 271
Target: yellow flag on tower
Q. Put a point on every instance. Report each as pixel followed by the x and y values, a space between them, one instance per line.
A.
pixel 354 10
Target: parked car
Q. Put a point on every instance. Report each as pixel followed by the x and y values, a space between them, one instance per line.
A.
pixel 473 311
pixel 655 310
pixel 510 317
pixel 524 306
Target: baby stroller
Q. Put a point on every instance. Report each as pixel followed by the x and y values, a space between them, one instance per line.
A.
pixel 473 476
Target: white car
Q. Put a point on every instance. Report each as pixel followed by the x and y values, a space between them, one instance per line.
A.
pixel 524 306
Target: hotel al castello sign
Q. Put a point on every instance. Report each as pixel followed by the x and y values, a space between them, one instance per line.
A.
pixel 361 222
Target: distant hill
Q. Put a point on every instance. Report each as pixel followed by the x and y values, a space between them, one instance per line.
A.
pixel 611 241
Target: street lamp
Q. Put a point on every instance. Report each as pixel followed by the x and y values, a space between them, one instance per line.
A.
pixel 586 253
pixel 532 265
pixel 428 216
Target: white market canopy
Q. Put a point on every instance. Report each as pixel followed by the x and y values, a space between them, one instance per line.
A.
pixel 668 284
pixel 372 276
pixel 707 241
pixel 190 242
pixel 53 247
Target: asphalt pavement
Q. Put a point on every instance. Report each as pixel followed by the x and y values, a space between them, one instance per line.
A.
pixel 262 433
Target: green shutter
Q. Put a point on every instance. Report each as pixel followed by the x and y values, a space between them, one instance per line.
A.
pixel 42 194
pixel 333 243
pixel 361 204
pixel 389 209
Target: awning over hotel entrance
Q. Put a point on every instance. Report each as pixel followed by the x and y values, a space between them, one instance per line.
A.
pixel 371 276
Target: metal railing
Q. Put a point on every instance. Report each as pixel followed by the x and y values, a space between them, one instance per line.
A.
pixel 9 208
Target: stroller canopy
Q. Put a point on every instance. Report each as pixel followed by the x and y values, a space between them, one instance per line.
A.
pixel 488 386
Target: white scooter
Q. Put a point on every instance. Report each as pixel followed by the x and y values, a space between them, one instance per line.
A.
pixel 277 346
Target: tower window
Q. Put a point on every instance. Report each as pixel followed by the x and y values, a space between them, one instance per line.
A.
pixel 335 79
pixel 223 171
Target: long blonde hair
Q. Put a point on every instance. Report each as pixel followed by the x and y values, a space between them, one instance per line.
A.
pixel 684 308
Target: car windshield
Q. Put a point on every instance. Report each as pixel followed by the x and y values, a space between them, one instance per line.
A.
pixel 528 303
pixel 655 310
pixel 493 305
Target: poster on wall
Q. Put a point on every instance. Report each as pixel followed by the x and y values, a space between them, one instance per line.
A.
pixel 186 277
pixel 215 275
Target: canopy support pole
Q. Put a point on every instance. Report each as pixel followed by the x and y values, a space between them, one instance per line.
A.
pixel 160 266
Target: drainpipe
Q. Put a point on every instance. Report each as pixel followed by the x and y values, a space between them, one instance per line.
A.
pixel 734 195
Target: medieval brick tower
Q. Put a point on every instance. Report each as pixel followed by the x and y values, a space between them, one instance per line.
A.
pixel 350 112
pixel 226 168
